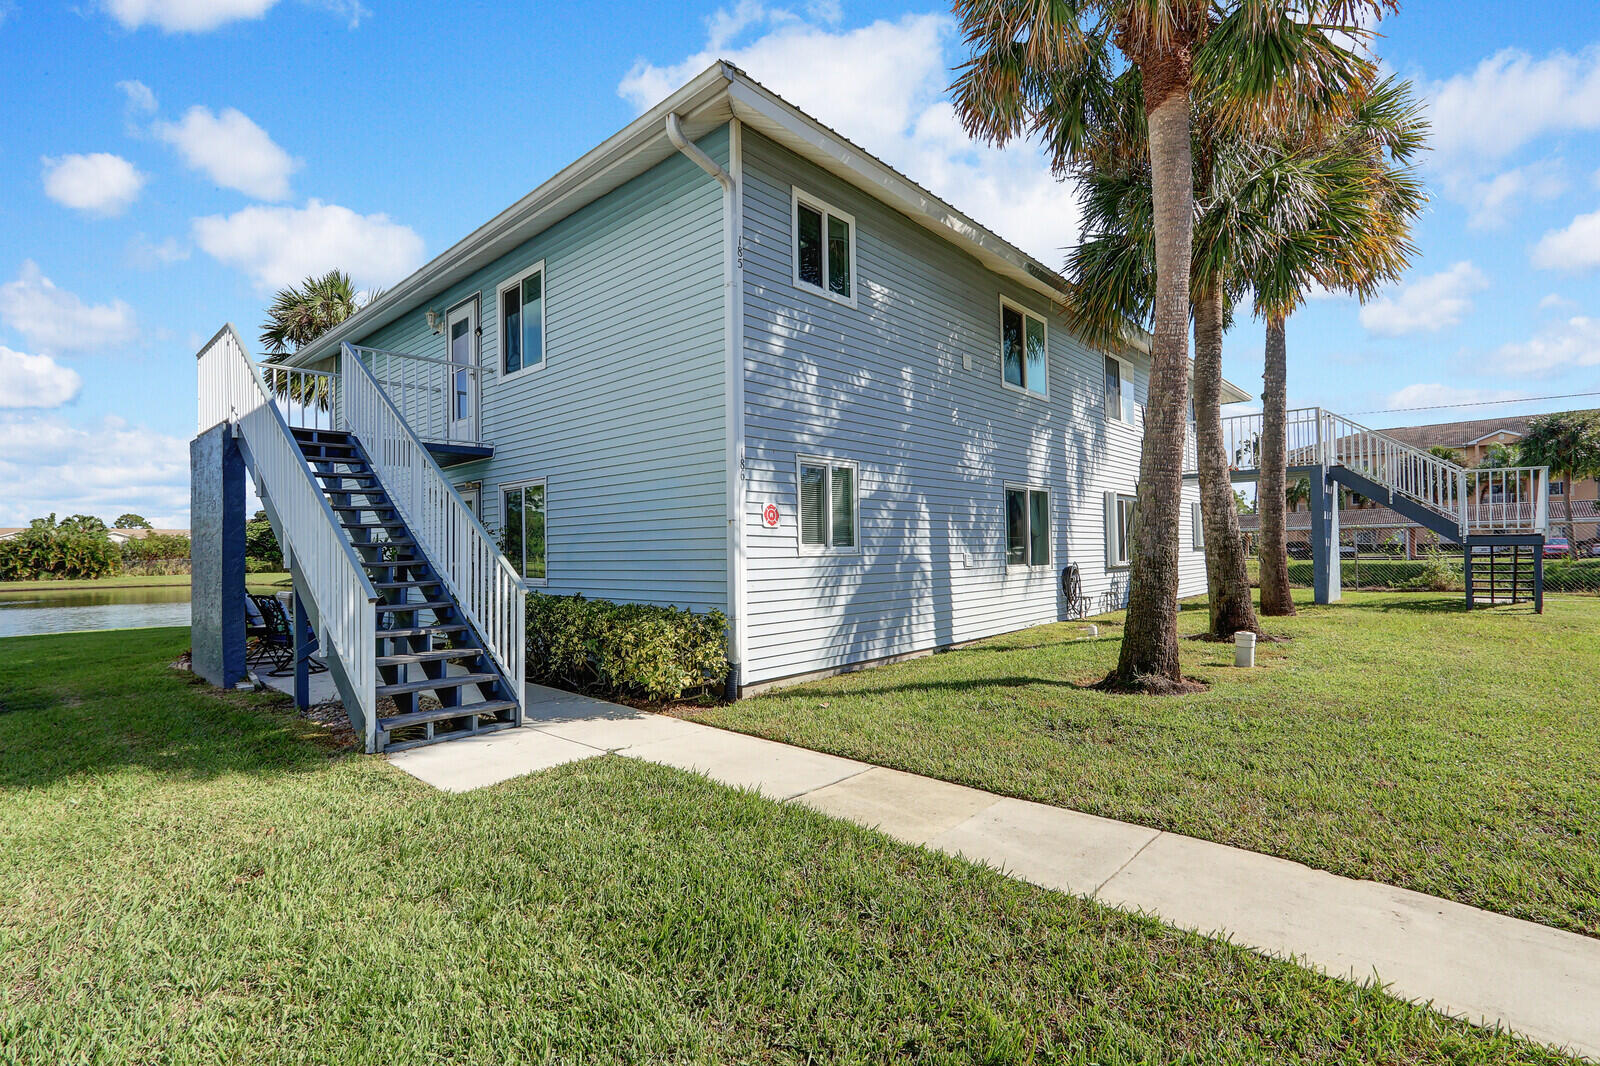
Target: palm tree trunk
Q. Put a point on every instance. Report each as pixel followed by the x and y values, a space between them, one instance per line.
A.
pixel 1227 580
pixel 1271 503
pixel 1149 655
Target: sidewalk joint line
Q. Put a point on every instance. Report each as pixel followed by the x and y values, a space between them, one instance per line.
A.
pixel 1159 833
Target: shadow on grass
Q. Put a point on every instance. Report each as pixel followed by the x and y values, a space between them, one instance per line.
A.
pixel 82 704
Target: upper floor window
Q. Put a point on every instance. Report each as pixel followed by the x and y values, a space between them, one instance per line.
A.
pixel 1023 358
pixel 824 248
pixel 1027 527
pixel 522 322
pixel 829 518
pixel 1114 388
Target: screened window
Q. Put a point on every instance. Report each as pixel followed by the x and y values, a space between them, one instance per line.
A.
pixel 1022 350
pixel 824 248
pixel 828 505
pixel 522 322
pixel 1027 527
pixel 1113 387
pixel 524 536
pixel 1120 516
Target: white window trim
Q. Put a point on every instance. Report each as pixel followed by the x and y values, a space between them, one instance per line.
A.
pixel 505 487
pixel 796 198
pixel 500 317
pixel 1197 528
pixel 1050 520
pixel 1023 389
pixel 827 506
pixel 1116 560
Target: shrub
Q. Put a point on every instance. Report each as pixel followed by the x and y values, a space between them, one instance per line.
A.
pixel 625 649
pixel 159 553
pixel 260 542
pixel 73 548
pixel 1438 574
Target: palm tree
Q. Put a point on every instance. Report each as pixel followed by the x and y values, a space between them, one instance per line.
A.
pixel 1569 444
pixel 299 315
pixel 1338 216
pixel 1050 70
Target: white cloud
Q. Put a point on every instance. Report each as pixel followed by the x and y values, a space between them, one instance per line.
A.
pixel 54 319
pixel 1510 99
pixel 1573 342
pixel 184 16
pixel 1433 394
pixel 1426 305
pixel 279 246
pixel 145 254
pixel 883 86
pixel 141 99
pixel 35 380
pixel 232 150
pixel 106 468
pixel 1572 249
pixel 1492 201
pixel 1557 301
pixel 98 184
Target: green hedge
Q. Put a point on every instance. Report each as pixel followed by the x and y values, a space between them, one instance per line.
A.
pixel 625 649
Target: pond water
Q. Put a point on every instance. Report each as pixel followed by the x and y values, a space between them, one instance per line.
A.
pixel 26 612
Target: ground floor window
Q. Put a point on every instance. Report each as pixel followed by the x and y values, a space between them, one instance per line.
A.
pixel 829 517
pixel 1120 513
pixel 1027 526
pixel 523 536
pixel 1197 528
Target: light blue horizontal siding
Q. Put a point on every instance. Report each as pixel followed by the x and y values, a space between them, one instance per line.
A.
pixel 625 421
pixel 883 385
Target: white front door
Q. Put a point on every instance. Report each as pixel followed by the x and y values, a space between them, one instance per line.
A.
pixel 469 491
pixel 461 337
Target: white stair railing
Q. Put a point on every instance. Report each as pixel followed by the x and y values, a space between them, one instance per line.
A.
pixel 1504 500
pixel 232 390
pixel 469 562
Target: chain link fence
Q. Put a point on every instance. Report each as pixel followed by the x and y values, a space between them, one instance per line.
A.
pixel 1411 558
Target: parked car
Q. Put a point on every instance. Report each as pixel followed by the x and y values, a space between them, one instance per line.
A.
pixel 1589 549
pixel 1557 548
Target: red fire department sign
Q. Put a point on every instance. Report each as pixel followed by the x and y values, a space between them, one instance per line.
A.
pixel 769 516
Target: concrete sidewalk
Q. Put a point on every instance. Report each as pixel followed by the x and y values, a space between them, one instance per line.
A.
pixel 1490 969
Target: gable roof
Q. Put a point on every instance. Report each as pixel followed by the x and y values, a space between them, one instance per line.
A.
pixel 1460 434
pixel 711 99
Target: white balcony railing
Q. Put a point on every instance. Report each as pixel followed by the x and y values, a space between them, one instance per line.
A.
pixel 232 390
pixel 438 399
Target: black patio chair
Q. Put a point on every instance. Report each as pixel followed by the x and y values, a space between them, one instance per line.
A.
pixel 271 643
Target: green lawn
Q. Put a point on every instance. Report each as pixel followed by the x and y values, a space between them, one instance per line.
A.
pixel 257 582
pixel 194 878
pixel 1395 737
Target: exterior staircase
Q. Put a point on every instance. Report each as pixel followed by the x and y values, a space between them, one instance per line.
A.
pixel 421 619
pixel 1498 515
pixel 435 679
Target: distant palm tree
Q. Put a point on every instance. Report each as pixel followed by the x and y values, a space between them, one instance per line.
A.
pixel 299 315
pixel 1569 444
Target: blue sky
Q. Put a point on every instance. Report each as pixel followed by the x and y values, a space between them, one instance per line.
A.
pixel 169 162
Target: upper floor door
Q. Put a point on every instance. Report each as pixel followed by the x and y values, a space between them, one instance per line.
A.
pixel 461 332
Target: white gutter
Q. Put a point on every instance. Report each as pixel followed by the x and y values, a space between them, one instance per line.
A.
pixel 732 370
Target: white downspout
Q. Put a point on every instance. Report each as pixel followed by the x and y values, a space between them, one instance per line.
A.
pixel 733 368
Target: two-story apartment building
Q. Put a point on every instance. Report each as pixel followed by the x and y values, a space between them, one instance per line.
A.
pixel 730 360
